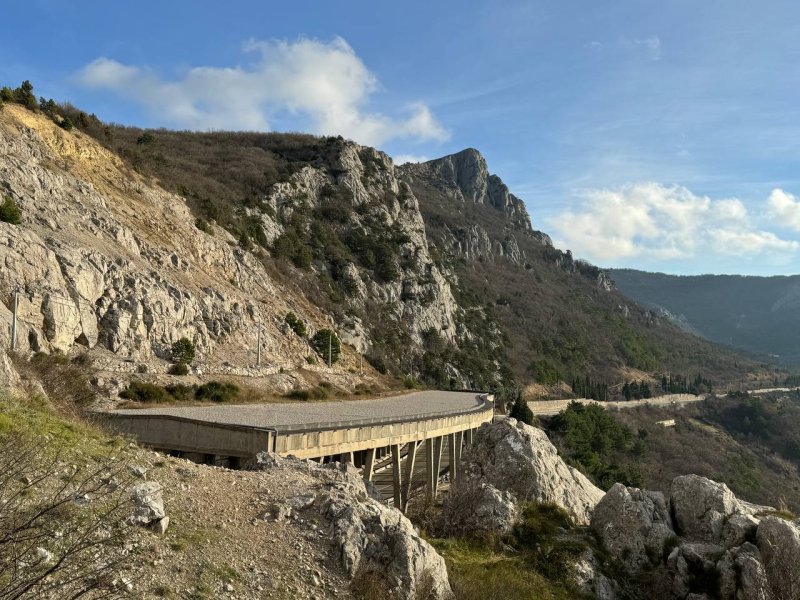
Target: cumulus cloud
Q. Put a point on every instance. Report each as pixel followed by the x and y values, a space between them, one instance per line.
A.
pixel 325 83
pixel 402 159
pixel 784 208
pixel 650 220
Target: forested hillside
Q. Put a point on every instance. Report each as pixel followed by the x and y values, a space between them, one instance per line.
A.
pixel 758 314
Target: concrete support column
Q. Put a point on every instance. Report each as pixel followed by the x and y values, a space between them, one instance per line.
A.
pixel 431 475
pixel 396 479
pixel 452 456
pixel 468 433
pixel 346 457
pixel 437 463
pixel 459 447
pixel 411 457
pixel 369 464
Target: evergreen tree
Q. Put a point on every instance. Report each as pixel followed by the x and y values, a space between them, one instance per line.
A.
pixel 521 411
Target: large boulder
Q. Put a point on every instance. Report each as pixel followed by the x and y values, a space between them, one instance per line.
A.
pixel 742 575
pixel 371 540
pixel 633 525
pixel 779 543
pixel 473 508
pixel 517 458
pixel 701 507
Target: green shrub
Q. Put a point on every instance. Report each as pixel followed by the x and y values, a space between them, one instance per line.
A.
pixel 317 393
pixel 217 391
pixel 181 393
pixel 326 343
pixel 203 225
pixel 179 369
pixel 296 324
pixel 140 391
pixel 10 212
pixel 546 372
pixel 311 359
pixel 183 351
pixel 521 411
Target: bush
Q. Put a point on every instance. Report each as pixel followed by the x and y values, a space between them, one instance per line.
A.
pixel 217 391
pixel 327 345
pixel 296 324
pixel 181 393
pixel 317 393
pixel 10 212
pixel 179 369
pixel 183 351
pixel 140 391
pixel 521 411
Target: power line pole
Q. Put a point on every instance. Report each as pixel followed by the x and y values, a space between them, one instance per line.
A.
pixel 258 349
pixel 14 321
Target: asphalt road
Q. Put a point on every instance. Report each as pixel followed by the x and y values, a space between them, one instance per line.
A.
pixel 291 415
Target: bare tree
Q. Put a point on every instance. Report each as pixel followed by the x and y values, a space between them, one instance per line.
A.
pixel 62 525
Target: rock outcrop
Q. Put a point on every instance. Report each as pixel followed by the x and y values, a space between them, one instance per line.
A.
pixel 515 458
pixel 373 541
pixel 149 507
pixel 467 174
pixel 700 540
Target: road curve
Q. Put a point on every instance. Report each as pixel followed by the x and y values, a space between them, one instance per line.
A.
pixel 296 415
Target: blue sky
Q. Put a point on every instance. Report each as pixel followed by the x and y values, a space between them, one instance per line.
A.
pixel 662 136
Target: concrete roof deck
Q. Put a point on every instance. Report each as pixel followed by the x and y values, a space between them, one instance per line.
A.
pixel 300 416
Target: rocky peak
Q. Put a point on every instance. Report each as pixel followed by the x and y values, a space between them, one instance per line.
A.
pixel 467 173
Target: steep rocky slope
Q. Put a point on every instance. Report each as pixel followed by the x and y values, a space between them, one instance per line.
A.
pixel 432 270
pixel 558 316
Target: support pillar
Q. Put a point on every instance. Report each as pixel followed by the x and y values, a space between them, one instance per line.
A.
pixel 437 463
pixel 396 479
pixel 411 457
pixel 468 433
pixel 459 447
pixel 431 474
pixel 452 457
pixel 346 457
pixel 369 464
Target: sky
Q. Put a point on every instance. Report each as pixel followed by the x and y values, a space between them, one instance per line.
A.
pixel 660 136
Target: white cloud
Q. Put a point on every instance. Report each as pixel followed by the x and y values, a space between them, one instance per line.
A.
pixel 785 209
pixel 650 220
pixel 402 159
pixel 651 45
pixel 326 83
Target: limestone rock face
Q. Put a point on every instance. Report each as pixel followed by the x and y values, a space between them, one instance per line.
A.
pixel 520 459
pixel 633 524
pixel 779 543
pixel 467 174
pixel 701 536
pixel 372 540
pixel 105 259
pixel 470 508
pixel 701 506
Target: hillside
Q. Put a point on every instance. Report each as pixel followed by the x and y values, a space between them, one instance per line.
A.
pixel 430 272
pixel 757 314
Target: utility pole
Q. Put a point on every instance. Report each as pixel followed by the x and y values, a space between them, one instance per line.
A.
pixel 361 364
pixel 14 321
pixel 258 349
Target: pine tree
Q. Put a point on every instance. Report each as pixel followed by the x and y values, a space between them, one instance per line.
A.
pixel 521 411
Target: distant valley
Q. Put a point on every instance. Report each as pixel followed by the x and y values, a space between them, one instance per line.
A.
pixel 757 314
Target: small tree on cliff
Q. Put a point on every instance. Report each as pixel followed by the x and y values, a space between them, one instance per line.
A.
pixel 183 351
pixel 9 212
pixel 327 345
pixel 521 411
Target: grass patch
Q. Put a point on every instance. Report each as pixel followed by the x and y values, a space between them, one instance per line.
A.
pixel 478 572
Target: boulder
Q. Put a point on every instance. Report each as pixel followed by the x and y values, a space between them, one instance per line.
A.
pixel 701 507
pixel 370 539
pixel 742 576
pixel 738 529
pixel 779 543
pixel 472 508
pixel 517 458
pixel 589 579
pixel 148 504
pixel 633 525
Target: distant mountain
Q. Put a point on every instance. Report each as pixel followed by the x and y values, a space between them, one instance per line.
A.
pixel 758 314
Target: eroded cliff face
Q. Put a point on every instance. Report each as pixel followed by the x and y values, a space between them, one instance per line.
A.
pixel 107 260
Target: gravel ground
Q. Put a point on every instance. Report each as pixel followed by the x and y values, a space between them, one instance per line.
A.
pixel 219 545
pixel 298 414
